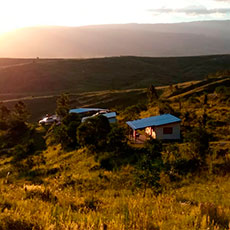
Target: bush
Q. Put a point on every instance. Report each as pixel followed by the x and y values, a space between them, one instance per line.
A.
pixel 198 140
pixel 18 224
pixel 223 91
pixel 133 112
pixel 65 134
pixel 45 195
pixel 93 133
pixel 149 166
pixel 21 152
pixel 116 139
pixel 148 173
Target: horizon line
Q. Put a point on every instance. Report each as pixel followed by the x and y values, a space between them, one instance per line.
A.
pixel 111 24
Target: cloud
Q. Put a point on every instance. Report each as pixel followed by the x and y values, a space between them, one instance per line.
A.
pixel 192 10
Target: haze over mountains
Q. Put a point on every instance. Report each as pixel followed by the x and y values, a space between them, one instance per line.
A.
pixel 181 39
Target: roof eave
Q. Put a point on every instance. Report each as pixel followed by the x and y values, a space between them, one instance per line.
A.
pixel 136 128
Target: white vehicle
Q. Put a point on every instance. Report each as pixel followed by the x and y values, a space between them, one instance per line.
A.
pixel 49 119
pixel 101 112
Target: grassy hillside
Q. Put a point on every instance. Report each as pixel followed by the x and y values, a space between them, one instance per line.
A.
pixel 111 99
pixel 116 100
pixel 47 77
pixel 9 62
pixel 71 192
pixel 45 186
pixel 207 86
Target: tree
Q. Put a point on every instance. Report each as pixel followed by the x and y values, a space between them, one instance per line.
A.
pixel 154 148
pixel 223 92
pixel 198 140
pixel 205 99
pixel 133 112
pixel 116 139
pixel 65 133
pixel 18 127
pixel 4 116
pixel 20 112
pixel 71 122
pixel 148 173
pixel 93 132
pixel 165 108
pixel 4 112
pixel 152 94
pixel 204 117
pixel 171 88
pixel 63 105
pixel 149 166
pixel 117 151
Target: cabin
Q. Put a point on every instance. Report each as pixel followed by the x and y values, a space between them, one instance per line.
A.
pixel 111 116
pixel 86 113
pixel 162 127
pixel 83 111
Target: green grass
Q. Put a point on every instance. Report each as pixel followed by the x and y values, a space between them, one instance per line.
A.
pixel 112 99
pixel 102 82
pixel 57 75
pixel 199 88
pixel 73 193
pixel 68 190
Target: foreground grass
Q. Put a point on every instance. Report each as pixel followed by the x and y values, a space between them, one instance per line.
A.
pixel 70 191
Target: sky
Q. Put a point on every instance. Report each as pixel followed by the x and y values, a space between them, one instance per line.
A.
pixel 16 14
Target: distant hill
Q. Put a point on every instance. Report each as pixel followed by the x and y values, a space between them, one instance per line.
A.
pixel 181 39
pixel 200 87
pixel 48 76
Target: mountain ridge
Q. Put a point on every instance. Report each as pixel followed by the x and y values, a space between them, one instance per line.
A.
pixel 153 40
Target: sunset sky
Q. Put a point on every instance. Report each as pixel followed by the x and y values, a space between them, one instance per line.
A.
pixel 23 13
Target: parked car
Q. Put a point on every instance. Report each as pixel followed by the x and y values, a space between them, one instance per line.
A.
pixel 101 112
pixel 50 119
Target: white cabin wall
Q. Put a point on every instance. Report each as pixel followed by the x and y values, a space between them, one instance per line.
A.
pixel 174 136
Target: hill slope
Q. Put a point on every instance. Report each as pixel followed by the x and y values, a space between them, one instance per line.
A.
pixel 47 76
pixel 182 39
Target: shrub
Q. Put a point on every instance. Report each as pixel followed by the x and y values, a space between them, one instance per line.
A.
pixel 133 112
pixel 63 105
pixel 45 195
pixel 198 140
pixel 147 173
pixel 10 223
pixel 149 166
pixel 93 132
pixel 65 134
pixel 116 139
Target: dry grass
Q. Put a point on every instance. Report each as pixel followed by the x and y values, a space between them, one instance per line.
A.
pixel 82 196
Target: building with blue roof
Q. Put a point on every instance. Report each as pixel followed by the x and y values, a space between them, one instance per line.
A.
pixel 162 127
pixel 111 116
pixel 85 110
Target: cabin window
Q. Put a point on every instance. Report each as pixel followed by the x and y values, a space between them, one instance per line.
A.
pixel 167 130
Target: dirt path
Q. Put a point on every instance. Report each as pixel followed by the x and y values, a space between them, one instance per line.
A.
pixel 28 98
pixel 26 63
pixel 14 65
pixel 85 94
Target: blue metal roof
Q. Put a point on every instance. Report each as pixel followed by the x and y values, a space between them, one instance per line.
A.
pixel 110 115
pixel 84 110
pixel 153 121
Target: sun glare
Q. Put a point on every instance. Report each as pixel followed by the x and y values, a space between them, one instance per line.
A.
pixel 25 13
